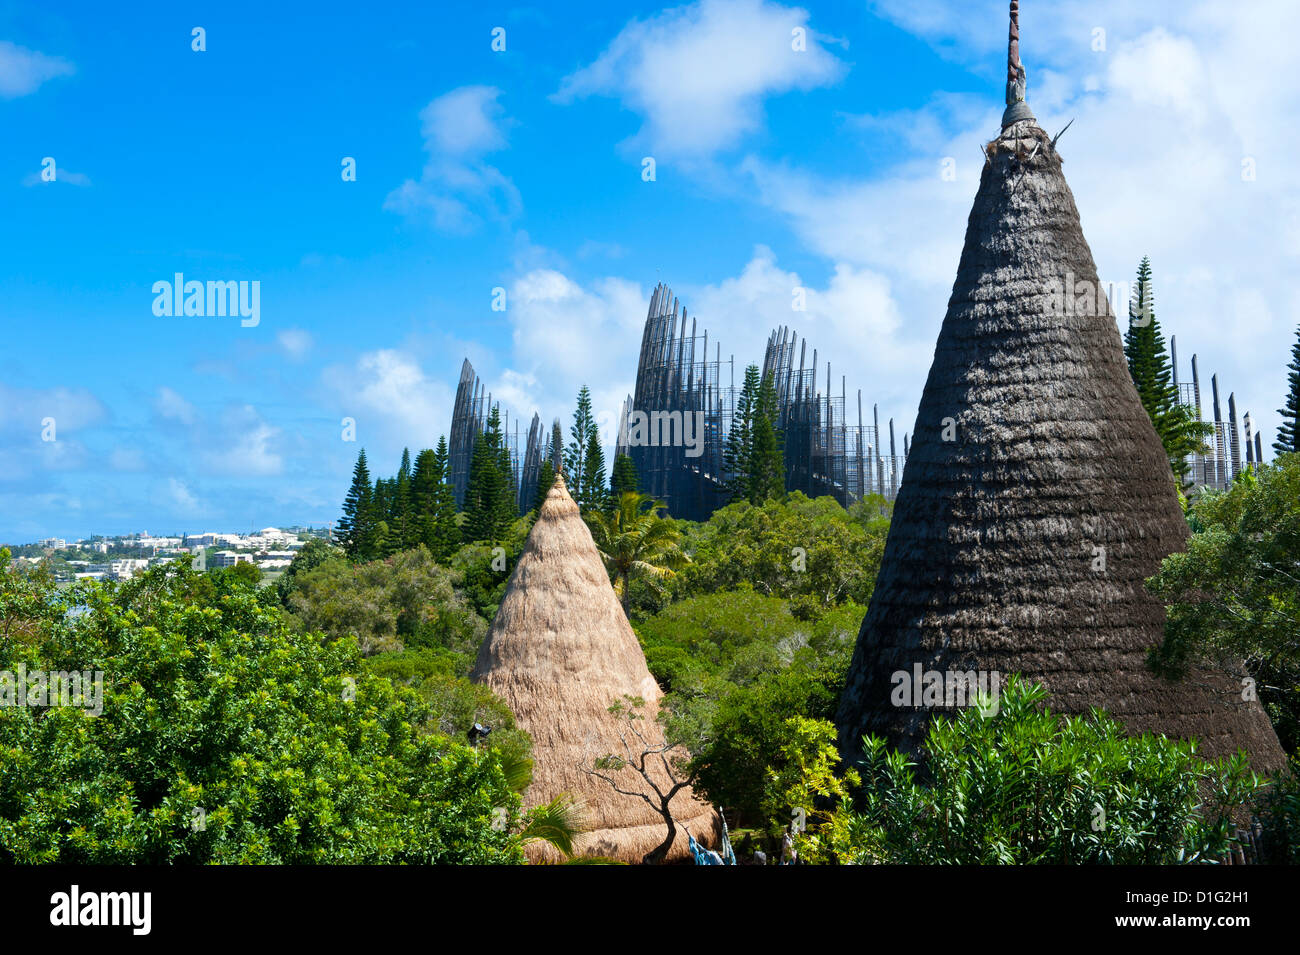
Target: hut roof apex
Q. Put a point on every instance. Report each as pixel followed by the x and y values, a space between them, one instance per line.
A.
pixel 1017 109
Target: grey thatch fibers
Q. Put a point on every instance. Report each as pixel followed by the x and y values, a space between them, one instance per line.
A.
pixel 560 651
pixel 1037 496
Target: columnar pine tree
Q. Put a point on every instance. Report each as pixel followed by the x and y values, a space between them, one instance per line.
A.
pixel 766 457
pixel 507 503
pixel 355 527
pixel 575 455
pixel 545 478
pixel 445 532
pixel 487 511
pixel 591 493
pixel 1288 432
pixel 424 482
pixel 400 520
pixel 737 453
pixel 1181 432
pixel 623 477
pixel 382 506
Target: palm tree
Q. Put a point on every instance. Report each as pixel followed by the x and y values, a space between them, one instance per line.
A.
pixel 633 538
pixel 558 822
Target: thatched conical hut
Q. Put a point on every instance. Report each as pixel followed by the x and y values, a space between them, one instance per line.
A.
pixel 560 652
pixel 1037 496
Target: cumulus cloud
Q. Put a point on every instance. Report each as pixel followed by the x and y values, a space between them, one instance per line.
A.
pixel 569 333
pixel 698 74
pixel 392 399
pixel 181 495
pixel 22 71
pixel 171 406
pixel 1185 124
pixel 295 342
pixel 246 445
pixel 457 188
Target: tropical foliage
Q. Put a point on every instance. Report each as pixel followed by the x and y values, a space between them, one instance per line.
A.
pixel 228 735
pixel 1027 786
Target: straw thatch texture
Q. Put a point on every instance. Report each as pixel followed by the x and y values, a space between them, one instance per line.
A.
pixel 560 651
pixel 990 562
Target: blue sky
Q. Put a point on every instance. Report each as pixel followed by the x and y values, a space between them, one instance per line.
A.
pixel 820 168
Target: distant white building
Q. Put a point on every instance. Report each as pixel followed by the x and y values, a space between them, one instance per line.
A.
pixel 52 543
pixel 126 567
pixel 228 558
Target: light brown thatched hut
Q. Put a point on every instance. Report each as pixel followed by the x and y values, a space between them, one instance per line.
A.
pixel 1037 496
pixel 560 651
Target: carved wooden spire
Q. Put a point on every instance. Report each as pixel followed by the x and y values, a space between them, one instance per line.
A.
pixel 1017 109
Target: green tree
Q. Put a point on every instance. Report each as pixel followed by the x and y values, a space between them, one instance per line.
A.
pixel 592 494
pixel 810 551
pixel 434 502
pixel 488 491
pixel 405 601
pixel 575 455
pixel 623 477
pixel 1288 431
pixel 1025 786
pixel 401 517
pixel 545 481
pixel 766 468
pixel 634 539
pixel 740 442
pixel 1234 593
pixel 216 711
pixel 313 553
pixel 356 527
pixel 1180 430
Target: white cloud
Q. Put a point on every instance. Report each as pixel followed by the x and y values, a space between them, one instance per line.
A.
pixel 22 71
pixel 457 189
pixel 568 334
pixel 295 342
pixel 465 122
pixel 181 495
pixel 171 406
pixel 392 399
pixel 246 446
pixel 698 74
pixel 23 410
pixel 1165 117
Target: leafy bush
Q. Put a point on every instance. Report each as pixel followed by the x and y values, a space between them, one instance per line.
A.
pixel 1235 592
pixel 786 549
pixel 229 736
pixel 407 600
pixel 1026 786
pixel 1279 813
pixel 738 666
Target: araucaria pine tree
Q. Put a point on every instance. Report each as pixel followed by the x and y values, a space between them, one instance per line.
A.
pixel 766 451
pixel 545 478
pixel 575 455
pixel 1180 430
pixel 433 503
pixel 1288 432
pixel 355 530
pixel 591 493
pixel 400 518
pixel 488 497
pixel 622 478
pixel 736 454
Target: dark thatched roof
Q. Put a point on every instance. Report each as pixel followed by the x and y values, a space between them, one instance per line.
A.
pixel 992 559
